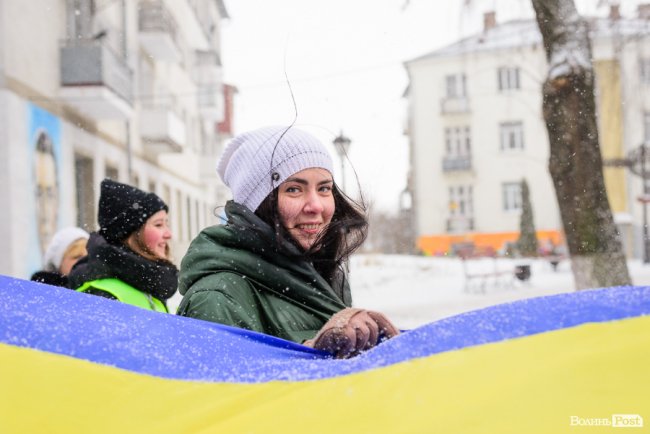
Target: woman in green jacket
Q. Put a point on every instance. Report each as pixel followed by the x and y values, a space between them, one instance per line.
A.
pixel 277 265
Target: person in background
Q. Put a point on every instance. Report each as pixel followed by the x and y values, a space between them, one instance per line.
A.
pixel 128 259
pixel 64 250
pixel 277 265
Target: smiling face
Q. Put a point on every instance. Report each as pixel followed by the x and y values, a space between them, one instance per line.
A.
pixel 152 241
pixel 306 204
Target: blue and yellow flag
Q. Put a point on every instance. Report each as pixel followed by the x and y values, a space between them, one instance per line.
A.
pixel 77 363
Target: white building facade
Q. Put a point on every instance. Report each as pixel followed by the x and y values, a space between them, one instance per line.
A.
pixel 129 90
pixel 476 130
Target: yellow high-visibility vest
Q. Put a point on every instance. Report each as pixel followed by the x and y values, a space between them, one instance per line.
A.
pixel 125 293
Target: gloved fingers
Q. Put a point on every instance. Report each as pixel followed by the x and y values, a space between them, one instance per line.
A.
pixel 342 318
pixel 366 320
pixel 338 341
pixel 386 328
pixel 360 319
pixel 345 342
pixel 362 338
pixel 351 331
pixel 373 338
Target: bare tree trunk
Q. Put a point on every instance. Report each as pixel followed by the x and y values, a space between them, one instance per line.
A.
pixel 575 163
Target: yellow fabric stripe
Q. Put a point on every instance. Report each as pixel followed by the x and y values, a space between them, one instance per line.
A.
pixel 532 385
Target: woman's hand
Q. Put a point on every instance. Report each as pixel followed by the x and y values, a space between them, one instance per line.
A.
pixel 352 331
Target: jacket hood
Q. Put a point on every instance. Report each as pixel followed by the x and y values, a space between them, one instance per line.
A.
pixel 247 246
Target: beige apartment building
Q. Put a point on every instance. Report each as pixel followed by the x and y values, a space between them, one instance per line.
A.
pixel 476 130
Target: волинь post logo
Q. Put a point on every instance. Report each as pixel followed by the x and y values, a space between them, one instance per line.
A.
pixel 615 421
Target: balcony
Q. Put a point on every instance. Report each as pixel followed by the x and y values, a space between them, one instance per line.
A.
pixel 95 81
pixel 210 101
pixel 457 163
pixel 208 79
pixel 209 154
pixel 460 224
pixel 161 129
pixel 157 31
pixel 458 105
pixel 193 22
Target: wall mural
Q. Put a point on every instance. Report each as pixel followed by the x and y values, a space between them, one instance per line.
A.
pixel 45 145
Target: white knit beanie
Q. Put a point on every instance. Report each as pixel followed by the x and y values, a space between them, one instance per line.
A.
pixel 256 162
pixel 59 244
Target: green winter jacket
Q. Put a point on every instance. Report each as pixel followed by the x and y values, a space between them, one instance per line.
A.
pixel 233 274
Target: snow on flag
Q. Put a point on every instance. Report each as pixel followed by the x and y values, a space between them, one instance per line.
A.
pixel 76 363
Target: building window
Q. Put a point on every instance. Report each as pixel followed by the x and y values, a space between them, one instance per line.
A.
pixel 460 209
pixel 461 201
pixel 188 215
pixel 455 86
pixel 84 180
pixel 80 18
pixel 512 136
pixel 180 214
pixel 167 194
pixel 644 70
pixel 508 78
pixel 512 196
pixel 111 172
pixel 197 218
pixel 458 141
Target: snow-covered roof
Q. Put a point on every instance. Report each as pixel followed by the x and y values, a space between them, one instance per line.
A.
pixel 507 35
pixel 524 32
pixel 605 27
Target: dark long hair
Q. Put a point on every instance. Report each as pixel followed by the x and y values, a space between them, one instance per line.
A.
pixel 342 236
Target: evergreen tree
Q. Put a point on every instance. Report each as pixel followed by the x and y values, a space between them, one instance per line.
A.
pixel 527 242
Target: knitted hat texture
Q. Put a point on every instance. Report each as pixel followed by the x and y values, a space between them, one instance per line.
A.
pixel 59 244
pixel 123 209
pixel 254 163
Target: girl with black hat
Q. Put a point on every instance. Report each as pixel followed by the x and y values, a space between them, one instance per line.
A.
pixel 128 259
pixel 277 265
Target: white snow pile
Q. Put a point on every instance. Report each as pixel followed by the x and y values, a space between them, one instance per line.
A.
pixel 416 290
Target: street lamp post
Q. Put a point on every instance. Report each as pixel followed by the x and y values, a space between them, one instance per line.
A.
pixel 342 144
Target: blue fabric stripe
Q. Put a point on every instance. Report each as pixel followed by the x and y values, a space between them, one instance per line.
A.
pixel 79 325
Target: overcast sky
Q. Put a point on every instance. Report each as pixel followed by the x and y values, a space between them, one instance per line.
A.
pixel 344 60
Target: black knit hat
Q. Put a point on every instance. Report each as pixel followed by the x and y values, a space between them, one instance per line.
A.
pixel 124 209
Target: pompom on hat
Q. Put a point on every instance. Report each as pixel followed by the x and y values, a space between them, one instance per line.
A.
pixel 254 163
pixel 123 209
pixel 59 244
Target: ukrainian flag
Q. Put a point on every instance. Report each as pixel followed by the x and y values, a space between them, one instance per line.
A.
pixel 76 363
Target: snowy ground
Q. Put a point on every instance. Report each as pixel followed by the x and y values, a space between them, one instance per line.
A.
pixel 415 290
